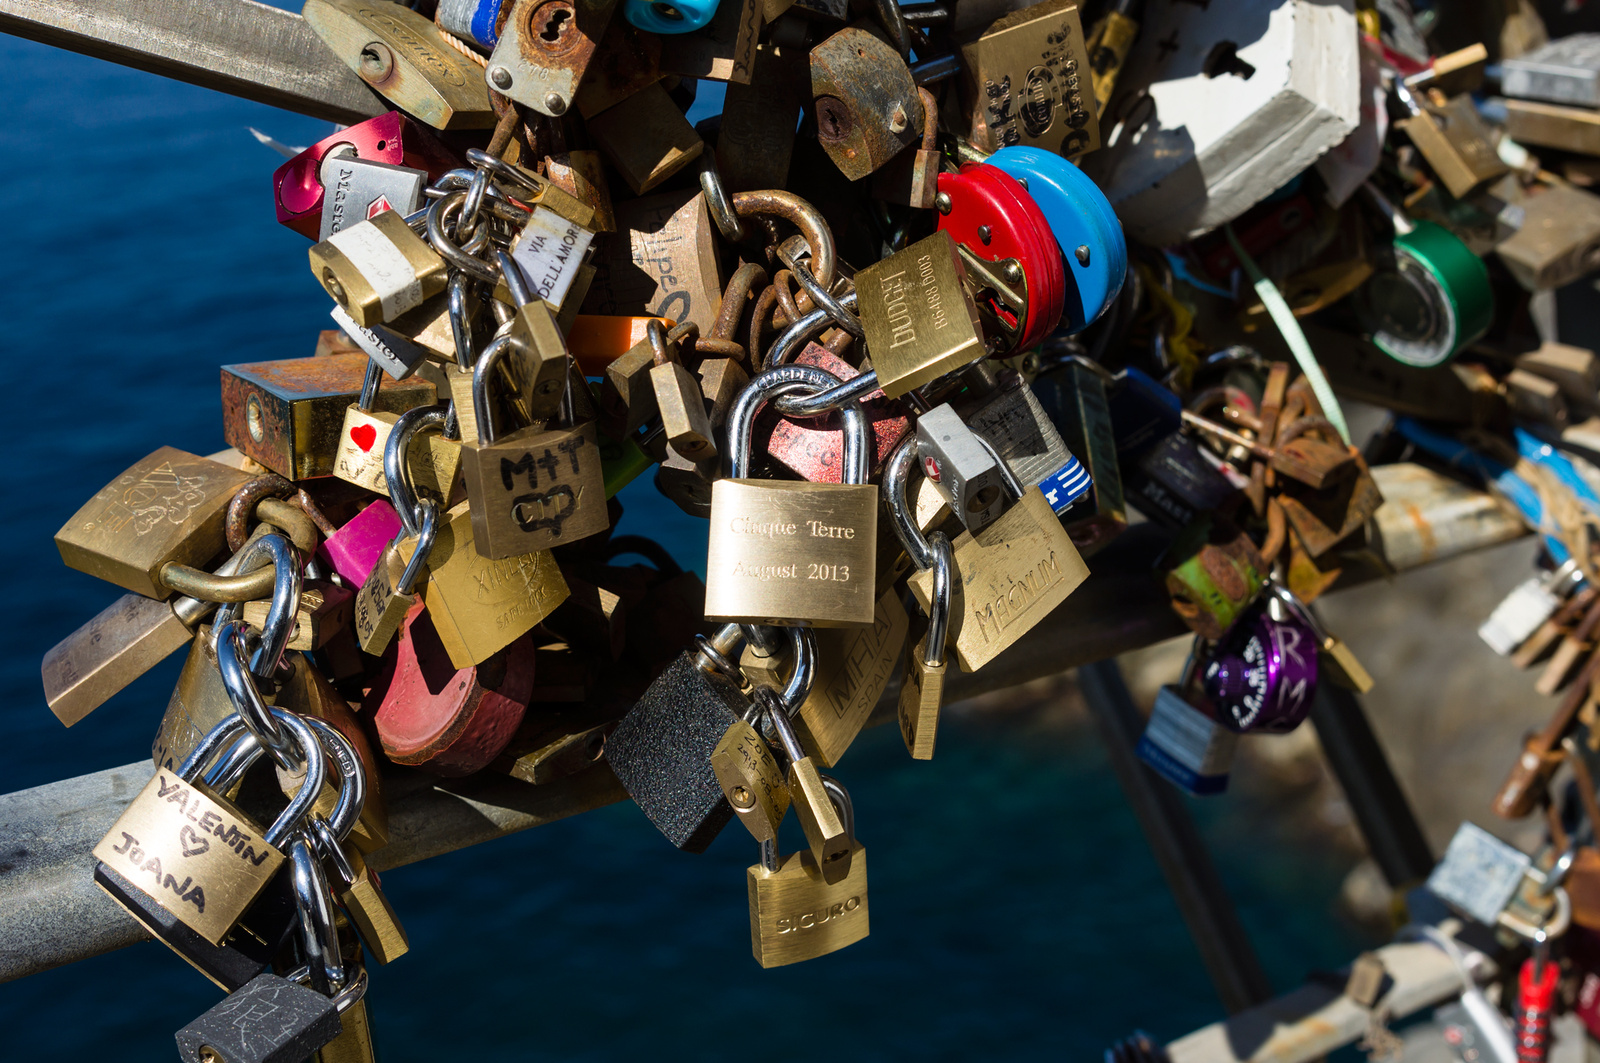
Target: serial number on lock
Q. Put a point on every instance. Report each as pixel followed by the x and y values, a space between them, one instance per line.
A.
pixel 815 529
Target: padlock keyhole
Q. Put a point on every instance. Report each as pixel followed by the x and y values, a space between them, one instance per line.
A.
pixel 1224 59
pixel 555 25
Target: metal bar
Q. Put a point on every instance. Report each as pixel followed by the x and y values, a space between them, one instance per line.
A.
pixel 1315 1019
pixel 1381 808
pixel 51 913
pixel 234 46
pixel 1203 900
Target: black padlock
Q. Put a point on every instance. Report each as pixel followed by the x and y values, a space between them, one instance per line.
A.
pixel 269 1020
pixel 661 751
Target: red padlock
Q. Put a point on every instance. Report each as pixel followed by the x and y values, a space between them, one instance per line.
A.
pixel 814 446
pixel 444 721
pixel 390 138
pixel 994 217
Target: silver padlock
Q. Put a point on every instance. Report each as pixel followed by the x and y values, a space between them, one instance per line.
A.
pixel 360 189
pixel 967 473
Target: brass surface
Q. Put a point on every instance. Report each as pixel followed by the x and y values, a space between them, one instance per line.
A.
pixel 795 915
pixel 324 611
pixel 1456 143
pixel 1341 665
pixel 401 55
pixel 646 138
pixel 1010 577
pixel 662 262
pixel 867 105
pixel 853 668
pixel 344 279
pixel 192 854
pixel 169 507
pixel 362 439
pixel 920 322
pixel 751 781
pixel 756 140
pixel 125 640
pixel 379 608
pixel 823 826
pixel 783 552
pixel 535 489
pixel 481 605
pixel 723 50
pixel 373 915
pixel 354 1043
pixel 682 406
pixel 198 703
pixel 1559 240
pixel 288 415
pixel 1552 125
pixel 541 367
pixel 1026 81
pixel 921 693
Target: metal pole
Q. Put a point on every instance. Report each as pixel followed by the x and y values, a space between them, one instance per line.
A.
pixel 1381 809
pixel 1191 876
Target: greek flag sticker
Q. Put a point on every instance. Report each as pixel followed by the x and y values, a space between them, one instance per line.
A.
pixel 1066 485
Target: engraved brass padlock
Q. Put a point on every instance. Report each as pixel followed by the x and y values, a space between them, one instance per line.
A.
pixel 792 553
pixel 1026 82
pixel 795 913
pixel 920 321
pixel 378 269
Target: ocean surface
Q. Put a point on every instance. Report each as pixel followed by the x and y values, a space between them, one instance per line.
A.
pixel 1015 908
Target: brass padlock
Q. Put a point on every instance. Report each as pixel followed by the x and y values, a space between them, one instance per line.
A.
pixel 646 138
pixel 1027 81
pixel 1012 575
pixel 401 55
pixel 756 139
pixel 722 50
pixel 912 177
pixel 795 913
pixel 792 553
pixel 167 508
pixel 866 102
pixel 531 489
pixel 378 269
pixel 678 399
pixel 363 437
pixel 545 49
pixel 662 262
pixel 1558 240
pixel 919 320
pixel 1453 139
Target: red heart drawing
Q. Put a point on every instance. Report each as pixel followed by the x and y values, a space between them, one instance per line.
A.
pixel 364 435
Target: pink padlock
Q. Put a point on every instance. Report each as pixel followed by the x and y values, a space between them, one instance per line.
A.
pixel 354 549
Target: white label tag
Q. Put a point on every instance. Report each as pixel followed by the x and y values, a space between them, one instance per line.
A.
pixel 549 252
pixel 398 356
pixel 1479 873
pixel 1186 746
pixel 1518 616
pixel 383 266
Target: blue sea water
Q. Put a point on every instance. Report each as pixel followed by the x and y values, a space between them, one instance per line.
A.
pixel 1015 908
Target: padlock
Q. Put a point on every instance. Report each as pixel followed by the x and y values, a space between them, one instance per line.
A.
pixel 1336 661
pixel 288 414
pixel 1094 252
pixel 1530 604
pixel 534 488
pixel 391 346
pixel 363 437
pixel 662 262
pixel 446 720
pixel 814 447
pixel 825 831
pixel 1109 44
pixel 401 55
pixel 1323 519
pixel 661 751
pixel 358 189
pixel 1429 296
pixel 1011 255
pixel 922 685
pixel 722 50
pixel 751 780
pixel 548 253
pixel 268 1020
pixel 301 194
pixel 1175 482
pixel 324 611
pixel 389 591
pixel 685 424
pixel 361 895
pixel 627 399
pixel 920 321
pixel 865 100
pixel 355 548
pixel 1558 240
pixel 1183 742
pixel 660 16
pixel 211 844
pixel 792 553
pixel 168 508
pixel 1453 139
pixel 756 138
pixel 1012 575
pixel 1213 585
pixel 1073 398
pixel 646 138
pixel 1010 419
pixel 795 913
pixel 378 269
pixel 545 49
pixel 1262 675
pixel 1026 82
pixel 968 474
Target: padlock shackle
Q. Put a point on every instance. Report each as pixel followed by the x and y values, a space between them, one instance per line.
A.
pixel 851 392
pixel 728 223
pixel 245 696
pixel 742 415
pixel 453 253
pixel 481 406
pixel 460 319
pixel 352 777
pixel 792 339
pixel 396 453
pixel 274 550
pixel 319 936
pixel 369 386
pixel 516 284
pixel 826 302
pixel 896 481
pixel 799 213
pixel 326 843
pixel 933 648
pixel 426 535
pixel 305 797
pixel 841 801
pixel 1006 472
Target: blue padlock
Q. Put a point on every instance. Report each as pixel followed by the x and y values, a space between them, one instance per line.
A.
pixel 662 16
pixel 1084 224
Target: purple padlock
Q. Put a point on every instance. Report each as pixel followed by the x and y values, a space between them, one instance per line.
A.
pixel 1263 672
pixel 354 549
